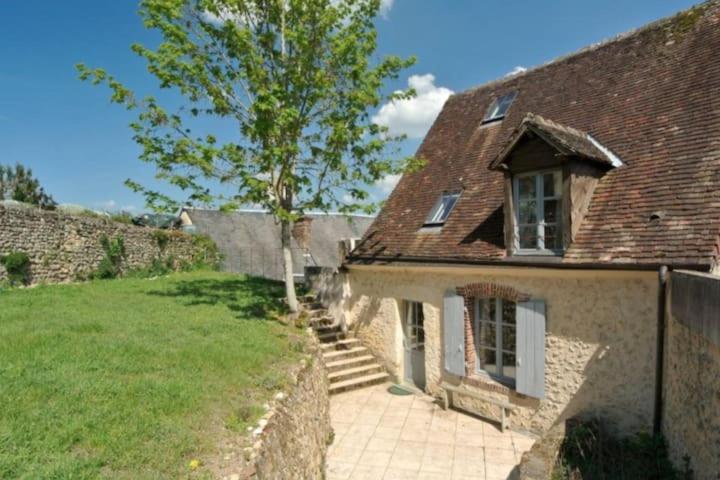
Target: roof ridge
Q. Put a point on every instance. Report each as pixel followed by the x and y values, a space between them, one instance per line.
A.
pixel 702 8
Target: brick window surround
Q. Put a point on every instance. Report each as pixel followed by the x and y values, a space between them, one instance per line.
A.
pixel 469 293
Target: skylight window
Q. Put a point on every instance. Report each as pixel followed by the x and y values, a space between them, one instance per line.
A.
pixel 442 208
pixel 498 109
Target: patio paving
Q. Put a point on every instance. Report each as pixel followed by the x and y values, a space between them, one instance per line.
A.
pixel 389 437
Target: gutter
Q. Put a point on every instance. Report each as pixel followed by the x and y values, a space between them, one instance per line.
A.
pixel 533 262
pixel 660 350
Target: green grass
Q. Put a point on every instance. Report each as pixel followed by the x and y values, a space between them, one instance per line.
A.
pixel 135 378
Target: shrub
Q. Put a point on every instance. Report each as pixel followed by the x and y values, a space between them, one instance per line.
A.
pixel 17 265
pixel 162 238
pixel 590 452
pixel 206 252
pixel 111 265
pixel 122 217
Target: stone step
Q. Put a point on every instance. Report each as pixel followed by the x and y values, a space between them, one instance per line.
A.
pixel 347 372
pixel 338 354
pixel 357 382
pixel 325 320
pixel 313 306
pixel 330 336
pixel 349 361
pixel 327 329
pixel 340 344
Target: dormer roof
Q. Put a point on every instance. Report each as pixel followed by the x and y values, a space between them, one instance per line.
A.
pixel 567 141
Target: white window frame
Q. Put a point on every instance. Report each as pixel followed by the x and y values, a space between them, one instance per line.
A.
pixel 432 219
pixel 540 199
pixel 499 324
pixel 494 113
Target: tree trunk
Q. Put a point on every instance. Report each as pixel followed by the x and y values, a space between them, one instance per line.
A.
pixel 288 267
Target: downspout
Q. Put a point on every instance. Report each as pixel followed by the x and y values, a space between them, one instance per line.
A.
pixel 660 349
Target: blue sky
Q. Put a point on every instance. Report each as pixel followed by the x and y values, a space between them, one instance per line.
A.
pixel 80 147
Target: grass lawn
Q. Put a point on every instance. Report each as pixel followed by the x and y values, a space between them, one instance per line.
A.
pixel 135 378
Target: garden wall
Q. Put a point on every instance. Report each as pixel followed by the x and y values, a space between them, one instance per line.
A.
pixel 691 422
pixel 65 247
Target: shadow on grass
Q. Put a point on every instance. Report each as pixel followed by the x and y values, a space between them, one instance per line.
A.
pixel 249 297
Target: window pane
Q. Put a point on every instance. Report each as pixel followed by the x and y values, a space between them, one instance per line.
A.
pixel 528 237
pixel 552 211
pixel 552 184
pixel 487 360
pixel 499 107
pixel 487 334
pixel 421 335
pixel 526 187
pixel 484 310
pixel 553 241
pixel 527 211
pixel 508 360
pixel 508 312
pixel 508 338
pixel 441 210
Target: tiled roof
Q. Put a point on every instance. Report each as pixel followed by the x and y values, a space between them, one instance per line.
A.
pixel 652 97
pixel 567 140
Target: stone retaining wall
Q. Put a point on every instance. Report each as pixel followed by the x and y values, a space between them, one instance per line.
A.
pixel 65 247
pixel 293 437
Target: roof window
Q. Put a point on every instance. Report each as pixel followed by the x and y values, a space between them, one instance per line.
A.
pixel 442 208
pixel 498 109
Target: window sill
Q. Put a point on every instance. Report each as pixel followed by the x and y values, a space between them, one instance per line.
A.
pixel 431 229
pixel 538 253
pixel 490 123
pixel 486 382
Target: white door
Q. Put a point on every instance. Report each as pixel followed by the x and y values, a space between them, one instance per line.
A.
pixel 414 344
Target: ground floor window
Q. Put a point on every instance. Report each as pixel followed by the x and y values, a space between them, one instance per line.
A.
pixel 495 338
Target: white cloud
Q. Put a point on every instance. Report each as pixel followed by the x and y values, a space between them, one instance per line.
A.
pixel 414 116
pixel 385 7
pixel 129 208
pixel 223 15
pixel 518 69
pixel 387 184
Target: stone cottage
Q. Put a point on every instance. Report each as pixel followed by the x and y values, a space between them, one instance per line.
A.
pixel 524 265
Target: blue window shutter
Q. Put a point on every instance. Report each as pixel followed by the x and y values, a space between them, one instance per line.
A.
pixel 531 348
pixel 454 334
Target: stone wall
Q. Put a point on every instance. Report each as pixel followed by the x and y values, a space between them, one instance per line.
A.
pixel 65 247
pixel 691 422
pixel 294 436
pixel 600 339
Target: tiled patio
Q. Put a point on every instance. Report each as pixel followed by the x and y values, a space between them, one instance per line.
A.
pixel 383 436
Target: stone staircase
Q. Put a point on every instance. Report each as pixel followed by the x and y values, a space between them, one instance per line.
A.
pixel 349 364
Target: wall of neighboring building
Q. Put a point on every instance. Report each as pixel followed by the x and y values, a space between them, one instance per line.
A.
pixel 600 338
pixel 65 247
pixel 691 422
pixel 250 240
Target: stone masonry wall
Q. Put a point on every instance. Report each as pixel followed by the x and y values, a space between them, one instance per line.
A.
pixel 293 440
pixel 691 394
pixel 600 338
pixel 64 247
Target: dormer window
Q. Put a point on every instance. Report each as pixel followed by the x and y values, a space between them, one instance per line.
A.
pixel 498 109
pixel 551 172
pixel 442 208
pixel 538 197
